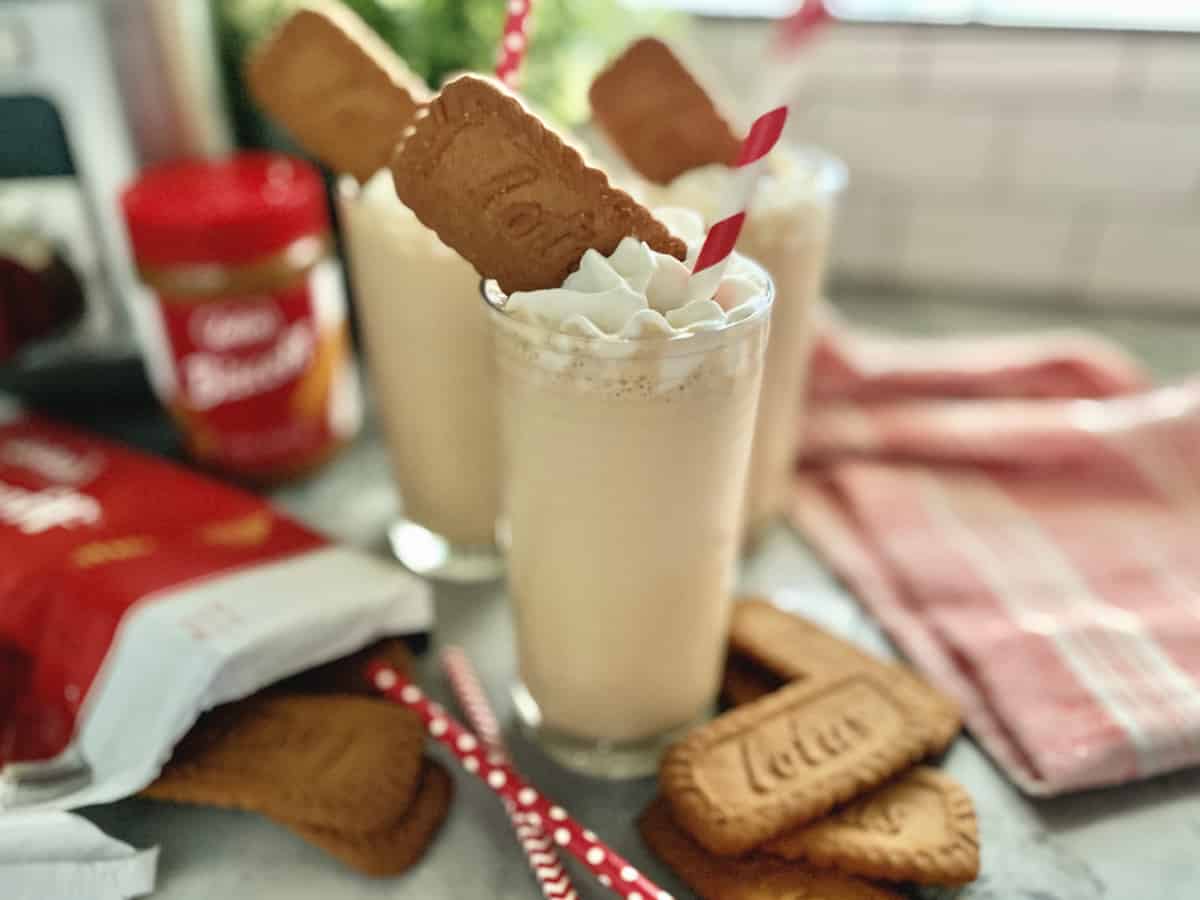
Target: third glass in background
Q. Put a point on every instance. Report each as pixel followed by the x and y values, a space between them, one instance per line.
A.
pixel 787 232
pixel 430 358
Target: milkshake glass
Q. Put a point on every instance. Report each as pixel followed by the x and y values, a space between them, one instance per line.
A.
pixel 787 232
pixel 429 355
pixel 625 463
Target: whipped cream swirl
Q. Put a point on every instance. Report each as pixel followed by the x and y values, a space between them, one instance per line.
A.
pixel 638 293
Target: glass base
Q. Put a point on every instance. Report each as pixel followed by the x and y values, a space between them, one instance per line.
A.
pixel 593 756
pixel 429 554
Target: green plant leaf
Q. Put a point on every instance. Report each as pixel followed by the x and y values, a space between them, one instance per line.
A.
pixel 569 41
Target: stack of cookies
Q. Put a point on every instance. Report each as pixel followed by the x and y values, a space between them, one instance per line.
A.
pixel 811 787
pixel 342 770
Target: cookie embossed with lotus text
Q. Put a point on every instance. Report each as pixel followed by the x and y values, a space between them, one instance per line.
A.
pixel 508 194
pixel 920 827
pixel 340 91
pixel 658 115
pixel 754 877
pixel 787 759
pixel 766 641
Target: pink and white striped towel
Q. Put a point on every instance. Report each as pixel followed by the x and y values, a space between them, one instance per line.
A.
pixel 1023 516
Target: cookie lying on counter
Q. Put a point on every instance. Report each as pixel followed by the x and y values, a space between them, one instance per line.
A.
pixel 755 877
pixel 808 787
pixel 769 648
pixel 346 773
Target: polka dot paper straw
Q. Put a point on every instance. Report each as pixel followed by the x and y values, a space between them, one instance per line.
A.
pixel 610 869
pixel 514 42
pixel 538 846
pixel 723 235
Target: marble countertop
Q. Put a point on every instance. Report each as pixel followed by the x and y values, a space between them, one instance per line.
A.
pixel 1138 842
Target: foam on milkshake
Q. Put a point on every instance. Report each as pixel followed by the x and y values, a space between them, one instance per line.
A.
pixel 791 201
pixel 636 293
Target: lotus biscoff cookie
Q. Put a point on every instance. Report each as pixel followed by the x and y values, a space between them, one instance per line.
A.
pixel 508 194
pixel 792 648
pixel 745 681
pixel 755 877
pixel 788 759
pixel 337 87
pixel 921 827
pixel 335 761
pixel 658 115
pixel 397 847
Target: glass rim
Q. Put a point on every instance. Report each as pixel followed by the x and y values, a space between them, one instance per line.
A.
pixel 685 341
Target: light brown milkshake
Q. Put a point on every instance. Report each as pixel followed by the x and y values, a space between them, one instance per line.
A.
pixel 626 442
pixel 429 353
pixel 787 233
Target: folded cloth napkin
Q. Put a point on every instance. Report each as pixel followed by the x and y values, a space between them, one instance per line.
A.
pixel 1032 551
pixel 60 856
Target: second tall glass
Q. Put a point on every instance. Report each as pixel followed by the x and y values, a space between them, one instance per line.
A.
pixel 430 359
pixel 787 232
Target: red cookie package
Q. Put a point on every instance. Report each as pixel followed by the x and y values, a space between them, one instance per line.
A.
pixel 135 594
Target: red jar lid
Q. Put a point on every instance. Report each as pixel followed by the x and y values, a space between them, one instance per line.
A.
pixel 223 212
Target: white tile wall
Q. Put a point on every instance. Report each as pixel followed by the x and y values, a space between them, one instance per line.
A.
pixel 883 58
pixel 897 144
pixel 1171 72
pixel 1065 164
pixel 977 247
pixel 1041 67
pixel 1114 152
pixel 1148 262
pixel 880 59
pixel 870 229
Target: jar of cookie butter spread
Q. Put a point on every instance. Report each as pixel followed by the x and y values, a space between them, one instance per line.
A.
pixel 243 317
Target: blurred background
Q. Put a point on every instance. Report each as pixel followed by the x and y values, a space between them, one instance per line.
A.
pixel 1038 152
pixel 1049 148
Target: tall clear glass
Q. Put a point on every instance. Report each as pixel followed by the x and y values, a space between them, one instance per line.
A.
pixel 787 232
pixel 429 357
pixel 791 241
pixel 625 467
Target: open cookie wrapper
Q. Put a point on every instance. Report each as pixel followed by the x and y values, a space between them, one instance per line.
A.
pixel 135 594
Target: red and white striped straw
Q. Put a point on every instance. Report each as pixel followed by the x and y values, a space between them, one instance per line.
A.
pixel 723 235
pixel 469 692
pixel 610 868
pixel 538 847
pixel 795 30
pixel 514 42
pixel 784 67
pixel 791 33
